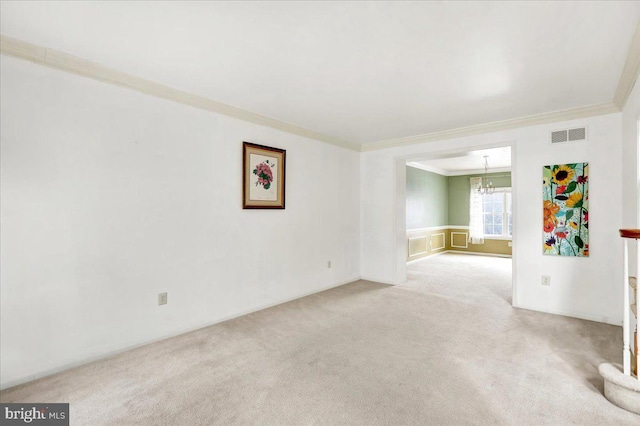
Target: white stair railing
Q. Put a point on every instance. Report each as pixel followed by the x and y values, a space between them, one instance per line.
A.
pixel 629 358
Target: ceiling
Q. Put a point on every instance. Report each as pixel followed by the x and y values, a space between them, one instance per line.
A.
pixel 363 72
pixel 498 160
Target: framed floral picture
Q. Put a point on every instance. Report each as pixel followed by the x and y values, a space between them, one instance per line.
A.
pixel 263 176
pixel 565 206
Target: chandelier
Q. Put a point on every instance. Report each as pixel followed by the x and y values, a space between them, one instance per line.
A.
pixel 488 186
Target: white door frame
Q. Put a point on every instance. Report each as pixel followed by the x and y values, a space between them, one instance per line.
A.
pixel 400 207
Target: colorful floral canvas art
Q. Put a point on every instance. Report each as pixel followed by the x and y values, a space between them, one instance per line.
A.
pixel 565 189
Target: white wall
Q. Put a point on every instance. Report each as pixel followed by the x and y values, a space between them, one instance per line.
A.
pixel 110 197
pixel 580 287
pixel 630 172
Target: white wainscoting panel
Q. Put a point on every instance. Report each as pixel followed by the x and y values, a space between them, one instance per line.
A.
pixel 417 246
pixel 440 242
pixel 466 238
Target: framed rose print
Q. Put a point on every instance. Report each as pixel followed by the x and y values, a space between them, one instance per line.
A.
pixel 263 176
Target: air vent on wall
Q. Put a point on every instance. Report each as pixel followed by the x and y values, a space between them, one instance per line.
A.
pixel 569 135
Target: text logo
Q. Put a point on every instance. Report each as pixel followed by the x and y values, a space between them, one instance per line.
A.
pixel 34 414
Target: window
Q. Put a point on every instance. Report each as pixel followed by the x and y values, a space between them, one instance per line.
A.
pixel 496 213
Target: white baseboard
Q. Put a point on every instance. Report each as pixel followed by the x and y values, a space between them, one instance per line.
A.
pixel 426 257
pixel 50 371
pixel 457 252
pixel 570 314
pixel 475 253
pixel 376 280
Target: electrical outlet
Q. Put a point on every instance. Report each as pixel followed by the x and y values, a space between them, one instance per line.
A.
pixel 510 244
pixel 546 280
pixel 162 298
pixel 329 264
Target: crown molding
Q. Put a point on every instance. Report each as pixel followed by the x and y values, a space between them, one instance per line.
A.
pixel 532 120
pixel 72 64
pixel 630 71
pixel 426 168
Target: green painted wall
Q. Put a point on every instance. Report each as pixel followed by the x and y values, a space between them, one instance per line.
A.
pixel 458 200
pixel 427 199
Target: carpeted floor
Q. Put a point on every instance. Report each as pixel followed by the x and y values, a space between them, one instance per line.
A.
pixel 446 348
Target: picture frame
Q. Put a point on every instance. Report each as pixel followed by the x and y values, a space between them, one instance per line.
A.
pixel 263 176
pixel 565 206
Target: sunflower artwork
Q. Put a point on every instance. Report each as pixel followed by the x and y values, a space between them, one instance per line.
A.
pixel 565 205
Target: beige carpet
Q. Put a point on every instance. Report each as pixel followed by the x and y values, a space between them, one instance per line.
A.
pixel 446 348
